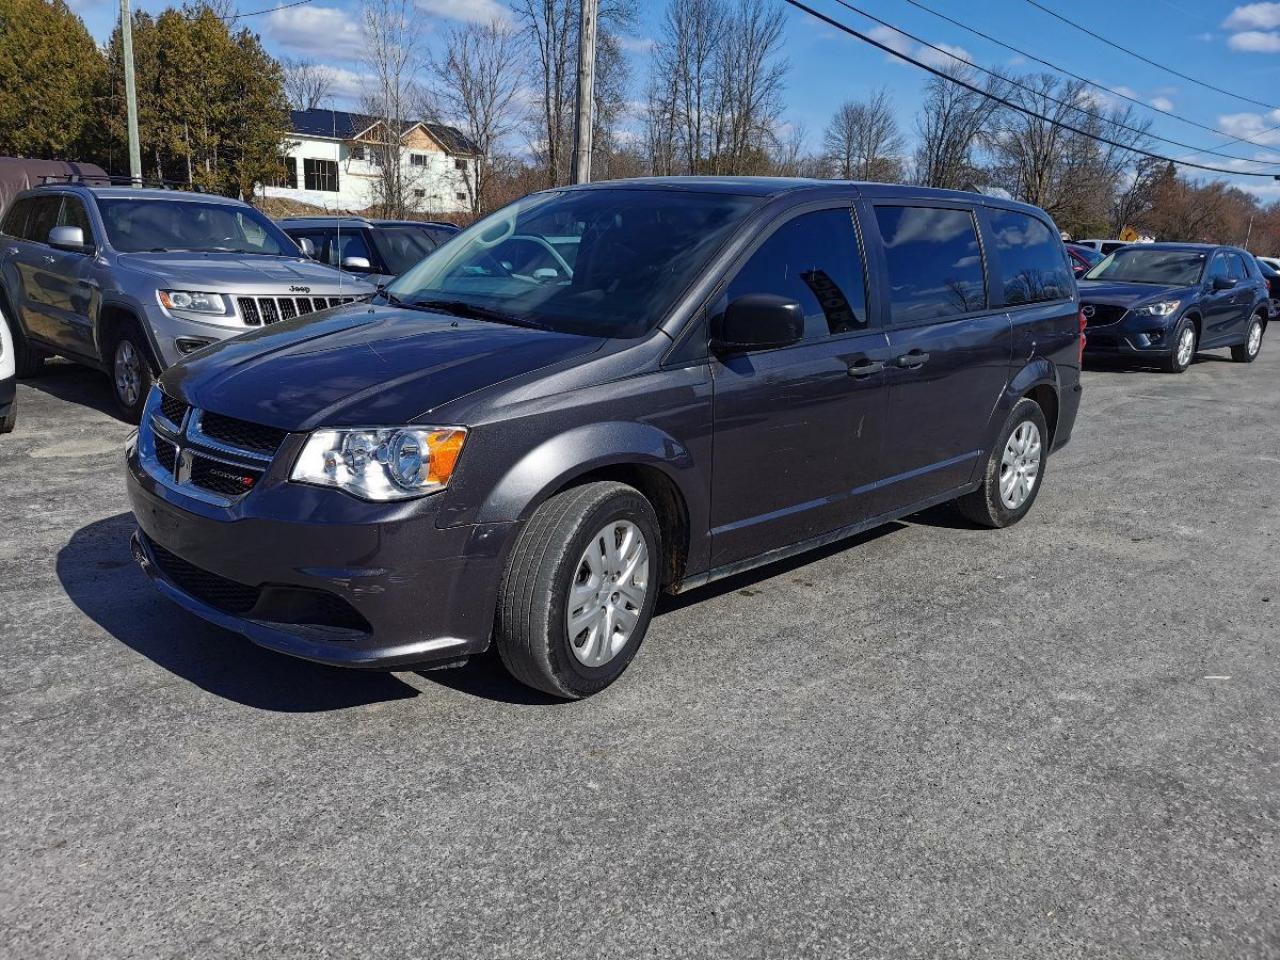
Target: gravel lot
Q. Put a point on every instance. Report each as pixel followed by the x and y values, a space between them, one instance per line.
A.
pixel 1056 740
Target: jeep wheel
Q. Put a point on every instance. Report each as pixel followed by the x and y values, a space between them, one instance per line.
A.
pixel 131 372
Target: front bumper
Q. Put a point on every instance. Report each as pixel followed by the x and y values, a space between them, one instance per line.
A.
pixel 1132 336
pixel 272 565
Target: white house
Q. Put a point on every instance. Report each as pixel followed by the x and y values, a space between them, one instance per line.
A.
pixel 333 161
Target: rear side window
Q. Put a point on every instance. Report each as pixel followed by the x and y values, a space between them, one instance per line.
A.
pixel 814 260
pixel 1237 269
pixel 1032 269
pixel 935 263
pixel 15 221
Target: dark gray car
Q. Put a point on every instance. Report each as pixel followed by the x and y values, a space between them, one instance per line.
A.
pixel 719 374
pixel 131 280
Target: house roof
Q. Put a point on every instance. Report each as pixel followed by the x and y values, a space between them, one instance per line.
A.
pixel 340 125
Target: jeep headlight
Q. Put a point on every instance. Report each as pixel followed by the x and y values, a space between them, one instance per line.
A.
pixel 381 463
pixel 1162 308
pixel 210 307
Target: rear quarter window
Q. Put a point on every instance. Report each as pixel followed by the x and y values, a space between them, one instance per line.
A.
pixel 1032 268
pixel 15 221
pixel 934 261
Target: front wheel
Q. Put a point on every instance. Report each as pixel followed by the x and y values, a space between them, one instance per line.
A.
pixel 131 372
pixel 1014 470
pixel 1248 351
pixel 1184 347
pixel 579 589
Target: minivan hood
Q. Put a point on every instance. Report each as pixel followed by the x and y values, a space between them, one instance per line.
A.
pixel 242 272
pixel 1120 294
pixel 362 366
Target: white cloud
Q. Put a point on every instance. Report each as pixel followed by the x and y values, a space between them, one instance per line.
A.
pixel 1251 126
pixel 1255 41
pixel 1162 103
pixel 637 44
pixel 1253 16
pixel 935 58
pixel 473 11
pixel 326 32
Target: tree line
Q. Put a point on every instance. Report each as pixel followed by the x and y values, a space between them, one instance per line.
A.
pixel 213 104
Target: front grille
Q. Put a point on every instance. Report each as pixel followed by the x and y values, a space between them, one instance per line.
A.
pixel 219 592
pixel 257 311
pixel 172 410
pixel 1104 314
pixel 167 455
pixel 241 433
pixel 217 476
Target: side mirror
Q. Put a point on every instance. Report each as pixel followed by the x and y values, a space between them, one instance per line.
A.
pixel 307 247
pixel 758 321
pixel 356 263
pixel 68 238
pixel 1224 283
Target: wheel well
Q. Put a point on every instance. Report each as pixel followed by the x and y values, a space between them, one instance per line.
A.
pixel 1047 399
pixel 1195 322
pixel 111 320
pixel 668 503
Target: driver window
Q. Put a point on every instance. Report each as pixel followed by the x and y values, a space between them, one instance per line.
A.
pixel 813 259
pixel 73 215
pixel 1218 267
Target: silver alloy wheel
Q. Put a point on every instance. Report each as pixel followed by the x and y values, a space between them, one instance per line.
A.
pixel 1020 465
pixel 608 591
pixel 128 373
pixel 1186 347
pixel 1255 338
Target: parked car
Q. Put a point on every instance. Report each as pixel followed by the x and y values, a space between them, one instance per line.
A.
pixel 1104 247
pixel 8 380
pixel 130 280
pixel 1163 302
pixel 733 371
pixel 1083 259
pixel 379 249
pixel 1272 277
pixel 1272 262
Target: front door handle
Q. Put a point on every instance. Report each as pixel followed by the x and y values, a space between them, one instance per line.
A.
pixel 916 358
pixel 865 368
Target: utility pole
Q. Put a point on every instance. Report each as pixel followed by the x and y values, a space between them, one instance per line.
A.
pixel 586 91
pixel 130 95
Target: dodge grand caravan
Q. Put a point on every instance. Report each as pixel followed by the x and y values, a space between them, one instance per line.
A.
pixel 599 393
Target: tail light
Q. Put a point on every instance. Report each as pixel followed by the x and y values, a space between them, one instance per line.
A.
pixel 1083 324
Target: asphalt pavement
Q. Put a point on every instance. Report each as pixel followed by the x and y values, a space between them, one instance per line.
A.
pixel 1057 740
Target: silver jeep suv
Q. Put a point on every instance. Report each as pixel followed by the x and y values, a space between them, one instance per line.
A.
pixel 130 280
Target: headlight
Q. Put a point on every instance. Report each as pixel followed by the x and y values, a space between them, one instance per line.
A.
pixel 381 463
pixel 205 304
pixel 1161 309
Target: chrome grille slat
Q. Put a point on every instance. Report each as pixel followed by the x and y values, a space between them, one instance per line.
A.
pixel 260 311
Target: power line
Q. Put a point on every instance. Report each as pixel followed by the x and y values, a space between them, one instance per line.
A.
pixel 1013 106
pixel 1147 60
pixel 1039 93
pixel 1097 86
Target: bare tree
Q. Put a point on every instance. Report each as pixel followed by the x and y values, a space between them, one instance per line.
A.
pixel 749 78
pixel 476 83
pixel 392 41
pixel 306 83
pixel 951 124
pixel 862 141
pixel 685 57
pixel 660 119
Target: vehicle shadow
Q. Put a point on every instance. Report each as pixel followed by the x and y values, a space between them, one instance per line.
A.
pixel 73 383
pixel 102 579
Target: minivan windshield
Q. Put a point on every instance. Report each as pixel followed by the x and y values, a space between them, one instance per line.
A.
pixel 162 225
pixel 1165 267
pixel 605 262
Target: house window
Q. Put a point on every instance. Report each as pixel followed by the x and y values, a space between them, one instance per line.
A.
pixel 419 194
pixel 418 159
pixel 459 163
pixel 460 195
pixel 357 152
pixel 288 174
pixel 320 174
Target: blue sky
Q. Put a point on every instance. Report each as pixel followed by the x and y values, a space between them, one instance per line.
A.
pixel 1230 45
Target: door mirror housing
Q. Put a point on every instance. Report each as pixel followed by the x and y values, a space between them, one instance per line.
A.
pixel 758 321
pixel 356 263
pixel 1224 283
pixel 68 238
pixel 307 247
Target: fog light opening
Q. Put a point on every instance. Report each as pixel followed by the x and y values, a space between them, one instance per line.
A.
pixel 188 345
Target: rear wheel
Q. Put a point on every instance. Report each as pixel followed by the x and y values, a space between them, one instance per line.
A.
pixel 1014 470
pixel 579 589
pixel 1184 347
pixel 132 372
pixel 1248 351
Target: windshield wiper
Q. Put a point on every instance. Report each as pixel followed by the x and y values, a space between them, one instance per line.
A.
pixel 460 308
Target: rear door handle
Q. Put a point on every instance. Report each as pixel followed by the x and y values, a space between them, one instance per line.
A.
pixel 865 368
pixel 916 358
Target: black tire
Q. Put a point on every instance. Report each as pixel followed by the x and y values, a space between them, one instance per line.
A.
pixel 131 391
pixel 1241 352
pixel 1171 363
pixel 531 631
pixel 985 506
pixel 10 420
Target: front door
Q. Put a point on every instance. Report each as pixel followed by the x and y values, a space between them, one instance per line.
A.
pixel 798 429
pixel 1222 308
pixel 950 350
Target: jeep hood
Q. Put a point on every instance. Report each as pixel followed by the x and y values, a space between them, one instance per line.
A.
pixel 362 366
pixel 226 272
